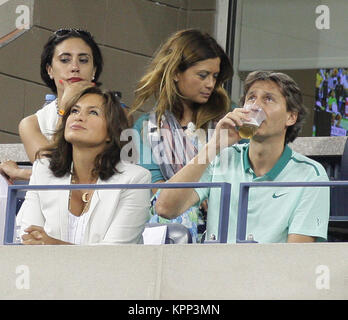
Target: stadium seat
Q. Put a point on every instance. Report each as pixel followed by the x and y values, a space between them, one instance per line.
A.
pixel 176 233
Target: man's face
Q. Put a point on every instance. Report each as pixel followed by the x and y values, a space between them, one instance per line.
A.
pixel 267 94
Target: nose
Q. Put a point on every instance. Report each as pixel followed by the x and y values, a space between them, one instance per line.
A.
pixel 79 116
pixel 75 67
pixel 257 103
pixel 210 83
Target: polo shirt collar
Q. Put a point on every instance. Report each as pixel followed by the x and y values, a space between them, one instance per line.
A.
pixel 277 168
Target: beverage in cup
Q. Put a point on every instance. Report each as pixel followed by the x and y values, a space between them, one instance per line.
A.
pixel 256 115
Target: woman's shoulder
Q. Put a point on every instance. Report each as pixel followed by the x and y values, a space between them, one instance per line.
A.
pixel 41 164
pixel 131 168
pixel 48 108
pixel 139 122
pixel 129 171
pixel 41 170
pixel 47 118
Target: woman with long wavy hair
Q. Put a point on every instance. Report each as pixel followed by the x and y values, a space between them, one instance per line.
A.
pixel 186 79
pixel 86 149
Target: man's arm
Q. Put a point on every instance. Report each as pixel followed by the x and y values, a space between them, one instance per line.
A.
pixel 172 202
pixel 300 238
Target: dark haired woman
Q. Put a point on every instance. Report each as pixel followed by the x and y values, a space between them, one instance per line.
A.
pixel 86 150
pixel 70 61
pixel 186 78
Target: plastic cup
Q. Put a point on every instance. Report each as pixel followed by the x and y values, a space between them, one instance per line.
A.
pixel 257 116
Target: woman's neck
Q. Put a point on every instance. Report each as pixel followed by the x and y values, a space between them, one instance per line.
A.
pixel 83 163
pixel 187 116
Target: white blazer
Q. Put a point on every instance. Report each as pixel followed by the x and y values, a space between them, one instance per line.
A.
pixel 117 215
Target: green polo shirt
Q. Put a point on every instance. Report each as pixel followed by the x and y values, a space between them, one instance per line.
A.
pixel 275 212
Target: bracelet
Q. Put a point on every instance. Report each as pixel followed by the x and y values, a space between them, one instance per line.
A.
pixel 60 112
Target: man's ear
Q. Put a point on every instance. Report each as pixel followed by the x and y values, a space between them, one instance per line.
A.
pixel 292 118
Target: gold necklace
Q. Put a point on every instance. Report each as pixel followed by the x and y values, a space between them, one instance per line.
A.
pixel 85 199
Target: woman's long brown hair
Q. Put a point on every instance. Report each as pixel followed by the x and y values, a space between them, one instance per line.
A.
pixel 60 151
pixel 181 51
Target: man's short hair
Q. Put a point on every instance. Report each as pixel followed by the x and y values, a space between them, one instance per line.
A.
pixel 291 92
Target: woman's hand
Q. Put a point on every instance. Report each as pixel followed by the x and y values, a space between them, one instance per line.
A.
pixel 72 89
pixel 12 172
pixel 37 235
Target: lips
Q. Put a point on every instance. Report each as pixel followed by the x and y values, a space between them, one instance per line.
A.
pixel 75 79
pixel 76 127
pixel 207 95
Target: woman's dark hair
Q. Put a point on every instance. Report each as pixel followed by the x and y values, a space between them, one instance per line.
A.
pixel 60 152
pixel 58 37
pixel 291 92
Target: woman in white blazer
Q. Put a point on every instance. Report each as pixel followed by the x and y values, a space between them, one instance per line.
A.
pixel 86 150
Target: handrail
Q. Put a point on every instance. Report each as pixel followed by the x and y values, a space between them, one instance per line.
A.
pixel 244 195
pixel 224 200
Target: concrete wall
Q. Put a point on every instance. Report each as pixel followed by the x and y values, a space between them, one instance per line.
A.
pixel 128 33
pixel 310 146
pixel 293 34
pixel 202 271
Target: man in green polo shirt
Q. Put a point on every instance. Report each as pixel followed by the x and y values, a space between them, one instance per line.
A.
pixel 294 214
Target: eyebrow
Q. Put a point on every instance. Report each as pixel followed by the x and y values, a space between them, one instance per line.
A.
pixel 89 107
pixel 208 71
pixel 69 54
pixel 265 93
